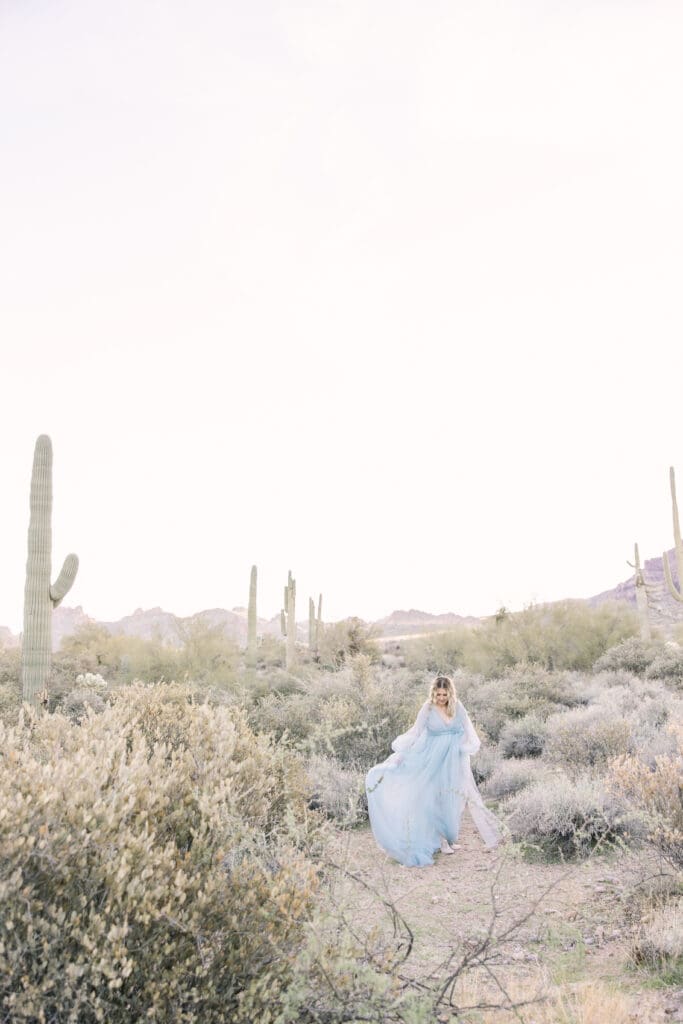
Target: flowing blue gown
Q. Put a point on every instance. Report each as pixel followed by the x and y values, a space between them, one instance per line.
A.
pixel 419 793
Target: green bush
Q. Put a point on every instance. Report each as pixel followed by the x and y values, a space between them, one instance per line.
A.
pixel 150 865
pixel 341 641
pixel 565 635
pixel 439 653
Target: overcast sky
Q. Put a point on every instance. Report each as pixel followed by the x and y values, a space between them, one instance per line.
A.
pixel 385 292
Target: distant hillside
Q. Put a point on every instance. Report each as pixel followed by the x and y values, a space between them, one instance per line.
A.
pixel 404 623
pixel 665 611
pixel 155 623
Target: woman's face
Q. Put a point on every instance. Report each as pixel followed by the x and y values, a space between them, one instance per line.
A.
pixel 441 696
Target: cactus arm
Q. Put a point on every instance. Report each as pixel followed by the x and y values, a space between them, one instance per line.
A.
pixel 288 620
pixel 641 598
pixel 252 621
pixel 64 582
pixel 677 594
pixel 677 527
pixel 669 578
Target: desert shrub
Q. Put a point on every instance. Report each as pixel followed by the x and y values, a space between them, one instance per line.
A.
pixel 10 667
pixel 630 655
pixel 564 635
pixel 270 651
pixel 350 715
pixel 667 665
pixel 10 704
pixel 484 762
pixel 655 791
pixel 658 943
pixel 92 681
pixel 76 704
pixel 587 737
pixel 202 654
pixel 523 690
pixel 10 683
pixel 442 652
pixel 561 817
pixel 340 641
pixel 337 791
pixel 523 737
pixel 148 872
pixel 509 777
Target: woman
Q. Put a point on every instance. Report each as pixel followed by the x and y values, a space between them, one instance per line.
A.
pixel 416 797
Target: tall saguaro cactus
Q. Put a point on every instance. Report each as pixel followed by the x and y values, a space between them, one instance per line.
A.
pixel 675 592
pixel 641 598
pixel 251 619
pixel 314 624
pixel 41 596
pixel 288 620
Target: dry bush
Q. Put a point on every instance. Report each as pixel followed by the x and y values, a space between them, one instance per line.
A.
pixel 342 641
pixel 631 655
pixel 511 776
pixel 587 738
pixel 562 817
pixel 593 1002
pixel 523 737
pixel 667 665
pixel 657 792
pixel 522 691
pixel 351 715
pixel 76 704
pixel 337 791
pixel 485 762
pixel 658 943
pixel 150 865
pixel 536 1001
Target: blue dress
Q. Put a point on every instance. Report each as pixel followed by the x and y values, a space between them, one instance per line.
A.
pixel 419 793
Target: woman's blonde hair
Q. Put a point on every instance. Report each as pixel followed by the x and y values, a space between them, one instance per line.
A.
pixel 445 683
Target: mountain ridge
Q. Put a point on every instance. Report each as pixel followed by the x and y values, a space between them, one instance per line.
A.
pixel 155 623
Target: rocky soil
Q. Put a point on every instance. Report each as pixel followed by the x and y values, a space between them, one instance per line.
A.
pixel 552 926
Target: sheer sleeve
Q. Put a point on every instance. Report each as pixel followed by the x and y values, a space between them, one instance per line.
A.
pixel 470 741
pixel 406 739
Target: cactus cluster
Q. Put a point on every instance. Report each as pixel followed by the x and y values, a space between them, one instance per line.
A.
pixel 41 596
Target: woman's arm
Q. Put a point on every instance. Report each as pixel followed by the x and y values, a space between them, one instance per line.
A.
pixel 470 742
pixel 406 739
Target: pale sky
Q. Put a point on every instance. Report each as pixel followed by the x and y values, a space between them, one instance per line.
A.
pixel 384 292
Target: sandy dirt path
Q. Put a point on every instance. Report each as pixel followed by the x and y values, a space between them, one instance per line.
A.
pixel 574 922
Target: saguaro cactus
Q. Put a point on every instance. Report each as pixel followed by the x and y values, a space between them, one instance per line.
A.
pixel 288 620
pixel 676 592
pixel 641 598
pixel 314 624
pixel 40 596
pixel 251 619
